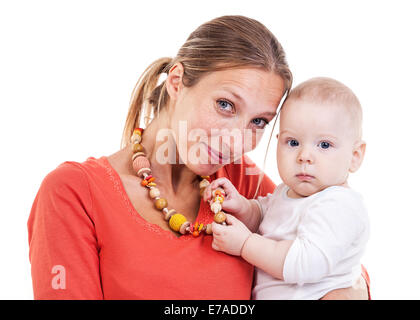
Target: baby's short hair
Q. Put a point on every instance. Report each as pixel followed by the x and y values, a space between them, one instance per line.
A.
pixel 327 90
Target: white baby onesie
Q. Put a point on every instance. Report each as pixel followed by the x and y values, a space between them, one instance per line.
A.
pixel 330 230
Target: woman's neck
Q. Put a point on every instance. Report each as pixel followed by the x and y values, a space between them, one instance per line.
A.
pixel 169 174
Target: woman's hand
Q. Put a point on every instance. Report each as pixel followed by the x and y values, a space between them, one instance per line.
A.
pixel 359 291
pixel 230 238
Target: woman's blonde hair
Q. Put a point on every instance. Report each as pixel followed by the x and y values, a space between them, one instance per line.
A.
pixel 222 43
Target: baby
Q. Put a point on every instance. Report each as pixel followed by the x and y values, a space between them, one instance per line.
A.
pixel 313 228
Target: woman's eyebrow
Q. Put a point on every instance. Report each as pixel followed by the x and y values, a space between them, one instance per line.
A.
pixel 239 97
pixel 268 114
pixel 233 93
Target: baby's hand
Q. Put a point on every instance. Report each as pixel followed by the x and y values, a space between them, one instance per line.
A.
pixel 230 238
pixel 234 202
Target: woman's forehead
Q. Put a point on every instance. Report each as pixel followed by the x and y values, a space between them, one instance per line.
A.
pixel 247 84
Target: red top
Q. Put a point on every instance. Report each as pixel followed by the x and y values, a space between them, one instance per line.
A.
pixel 84 231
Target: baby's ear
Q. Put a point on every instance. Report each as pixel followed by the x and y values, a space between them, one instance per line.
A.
pixel 358 155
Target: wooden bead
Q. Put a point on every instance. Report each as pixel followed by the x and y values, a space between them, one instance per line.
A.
pixel 204 183
pixel 220 217
pixel 135 138
pixel 176 221
pixel 140 163
pixel 161 203
pixel 202 191
pixel 143 171
pixel 184 227
pixel 216 207
pixel 154 192
pixel 169 214
pixel 208 229
pixel 137 147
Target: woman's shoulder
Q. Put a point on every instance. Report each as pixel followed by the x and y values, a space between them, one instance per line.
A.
pixel 245 176
pixel 73 173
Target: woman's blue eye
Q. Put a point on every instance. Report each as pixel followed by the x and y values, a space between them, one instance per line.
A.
pixel 324 144
pixel 225 105
pixel 293 143
pixel 259 122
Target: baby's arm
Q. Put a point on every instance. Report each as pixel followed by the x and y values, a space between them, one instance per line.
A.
pixel 236 239
pixel 248 211
pixel 266 254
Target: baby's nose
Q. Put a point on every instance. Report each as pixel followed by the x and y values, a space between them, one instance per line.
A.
pixel 305 157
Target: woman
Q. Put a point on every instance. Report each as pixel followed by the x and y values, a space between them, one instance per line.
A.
pixel 94 232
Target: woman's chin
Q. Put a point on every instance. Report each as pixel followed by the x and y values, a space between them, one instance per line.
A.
pixel 205 169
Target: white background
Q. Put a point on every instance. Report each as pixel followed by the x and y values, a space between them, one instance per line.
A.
pixel 67 69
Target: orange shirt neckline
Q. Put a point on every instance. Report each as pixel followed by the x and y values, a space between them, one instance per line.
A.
pixel 139 218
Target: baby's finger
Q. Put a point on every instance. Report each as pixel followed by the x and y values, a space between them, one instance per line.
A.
pixel 215 246
pixel 216 228
pixel 230 220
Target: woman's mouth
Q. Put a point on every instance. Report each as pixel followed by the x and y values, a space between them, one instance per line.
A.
pixel 304 177
pixel 217 157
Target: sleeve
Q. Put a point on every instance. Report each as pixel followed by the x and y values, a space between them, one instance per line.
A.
pixel 63 248
pixel 328 228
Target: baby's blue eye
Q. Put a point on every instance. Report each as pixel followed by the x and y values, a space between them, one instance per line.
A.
pixel 324 145
pixel 293 143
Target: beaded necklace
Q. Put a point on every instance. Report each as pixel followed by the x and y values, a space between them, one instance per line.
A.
pixel 177 221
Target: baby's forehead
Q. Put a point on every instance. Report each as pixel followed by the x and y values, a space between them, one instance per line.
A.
pixel 323 95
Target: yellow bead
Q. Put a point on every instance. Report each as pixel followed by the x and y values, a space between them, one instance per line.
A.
pixel 161 203
pixel 176 221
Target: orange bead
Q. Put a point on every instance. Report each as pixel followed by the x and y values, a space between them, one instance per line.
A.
pixel 196 233
pixel 151 179
pixel 218 193
pixel 139 131
pixel 144 183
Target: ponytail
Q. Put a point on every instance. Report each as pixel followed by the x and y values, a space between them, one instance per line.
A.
pixel 146 98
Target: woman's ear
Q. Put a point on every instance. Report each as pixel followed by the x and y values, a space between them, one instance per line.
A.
pixel 357 156
pixel 174 80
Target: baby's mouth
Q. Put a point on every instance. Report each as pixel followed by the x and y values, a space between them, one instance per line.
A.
pixel 305 177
